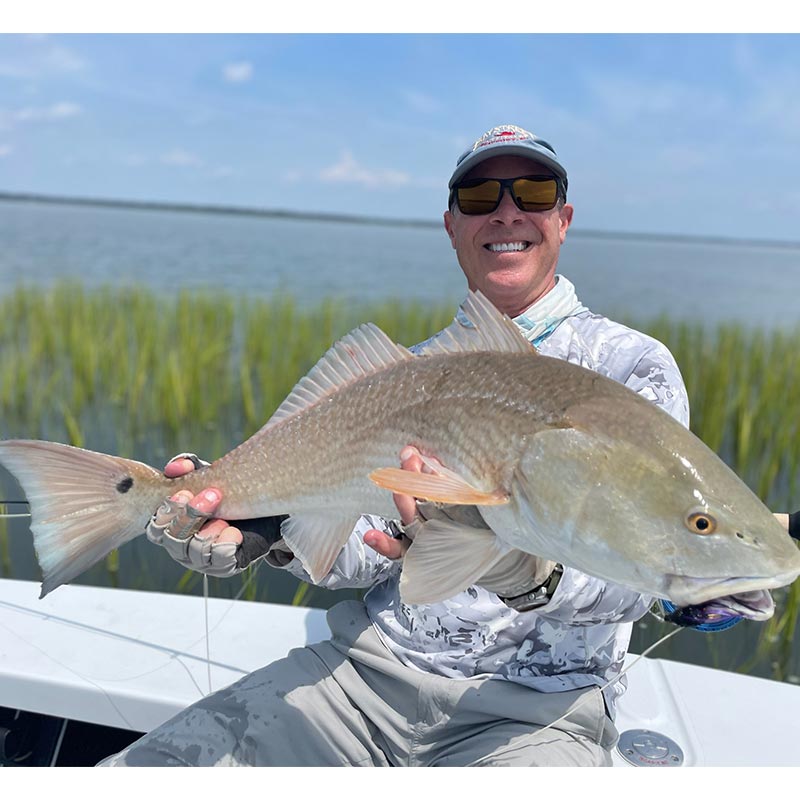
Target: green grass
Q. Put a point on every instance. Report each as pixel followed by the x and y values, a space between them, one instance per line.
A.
pixel 146 376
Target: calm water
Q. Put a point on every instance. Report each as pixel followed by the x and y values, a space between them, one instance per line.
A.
pixel 617 276
pixel 622 277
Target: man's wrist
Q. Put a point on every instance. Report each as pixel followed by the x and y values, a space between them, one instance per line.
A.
pixel 539 595
pixel 259 536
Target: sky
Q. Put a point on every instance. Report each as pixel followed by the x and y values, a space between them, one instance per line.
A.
pixel 661 133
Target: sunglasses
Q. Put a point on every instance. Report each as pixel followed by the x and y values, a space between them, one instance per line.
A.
pixel 483 195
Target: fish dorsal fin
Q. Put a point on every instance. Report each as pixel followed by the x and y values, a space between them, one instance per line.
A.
pixel 479 327
pixel 364 351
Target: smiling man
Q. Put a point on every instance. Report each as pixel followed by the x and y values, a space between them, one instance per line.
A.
pixel 508 217
pixel 471 680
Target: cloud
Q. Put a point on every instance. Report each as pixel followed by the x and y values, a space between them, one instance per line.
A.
pixel 685 157
pixel 5 150
pixel 37 57
pixel 134 160
pixel 61 59
pixel 238 72
pixel 420 102
pixel 626 98
pixel 348 170
pixel 177 157
pixel 56 111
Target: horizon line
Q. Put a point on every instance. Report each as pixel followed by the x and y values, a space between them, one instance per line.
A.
pixel 357 219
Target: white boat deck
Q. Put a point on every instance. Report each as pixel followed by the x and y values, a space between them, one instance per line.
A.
pixel 133 659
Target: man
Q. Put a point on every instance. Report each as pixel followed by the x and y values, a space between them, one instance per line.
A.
pixel 471 680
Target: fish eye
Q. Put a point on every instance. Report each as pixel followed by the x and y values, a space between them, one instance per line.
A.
pixel 701 523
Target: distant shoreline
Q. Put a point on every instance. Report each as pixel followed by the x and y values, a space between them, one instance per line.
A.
pixel 355 219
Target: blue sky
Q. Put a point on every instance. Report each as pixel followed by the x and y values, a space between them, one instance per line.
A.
pixel 692 134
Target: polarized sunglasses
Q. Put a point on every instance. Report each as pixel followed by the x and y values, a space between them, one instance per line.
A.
pixel 483 195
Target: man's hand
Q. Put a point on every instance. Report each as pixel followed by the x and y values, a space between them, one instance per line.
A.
pixel 515 574
pixel 205 503
pixel 387 546
pixel 187 529
pixel 394 549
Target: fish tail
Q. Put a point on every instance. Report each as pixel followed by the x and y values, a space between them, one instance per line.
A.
pixel 83 504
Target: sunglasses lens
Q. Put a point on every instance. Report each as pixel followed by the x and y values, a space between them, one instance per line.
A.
pixel 535 195
pixel 479 197
pixel 530 194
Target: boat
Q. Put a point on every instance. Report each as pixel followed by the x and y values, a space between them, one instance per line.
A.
pixel 87 670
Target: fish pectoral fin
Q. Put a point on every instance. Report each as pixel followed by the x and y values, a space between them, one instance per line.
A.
pixel 445 559
pixel 317 538
pixel 446 487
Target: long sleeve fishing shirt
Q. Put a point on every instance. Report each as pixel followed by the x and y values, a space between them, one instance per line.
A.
pixel 580 637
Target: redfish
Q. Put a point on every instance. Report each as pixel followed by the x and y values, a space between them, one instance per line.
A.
pixel 560 462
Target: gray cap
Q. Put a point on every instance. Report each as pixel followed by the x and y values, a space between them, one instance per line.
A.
pixel 508 140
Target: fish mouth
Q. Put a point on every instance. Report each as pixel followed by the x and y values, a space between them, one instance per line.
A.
pixel 746 596
pixel 757 605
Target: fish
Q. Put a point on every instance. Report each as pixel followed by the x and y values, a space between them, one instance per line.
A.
pixel 560 462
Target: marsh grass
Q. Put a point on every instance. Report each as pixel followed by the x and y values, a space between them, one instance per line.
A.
pixel 147 376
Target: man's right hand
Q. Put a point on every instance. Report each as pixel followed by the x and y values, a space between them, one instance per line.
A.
pixel 187 529
pixel 214 530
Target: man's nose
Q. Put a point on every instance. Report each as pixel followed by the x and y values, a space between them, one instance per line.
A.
pixel 507 210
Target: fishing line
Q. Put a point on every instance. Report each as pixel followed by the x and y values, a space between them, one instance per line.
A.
pixel 4 503
pixel 208 638
pixel 253 570
pixel 588 695
pixel 76 674
pixel 208 629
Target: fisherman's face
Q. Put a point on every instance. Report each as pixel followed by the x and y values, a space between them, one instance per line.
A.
pixel 511 279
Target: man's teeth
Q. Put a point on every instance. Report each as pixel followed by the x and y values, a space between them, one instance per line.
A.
pixel 505 247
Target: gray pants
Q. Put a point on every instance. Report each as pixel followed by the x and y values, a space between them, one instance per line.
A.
pixel 350 702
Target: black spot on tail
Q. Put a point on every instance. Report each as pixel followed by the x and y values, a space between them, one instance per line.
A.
pixel 125 484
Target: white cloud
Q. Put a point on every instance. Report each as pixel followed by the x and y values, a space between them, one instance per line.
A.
pixel 177 157
pixel 134 160
pixel 61 110
pixel 31 114
pixel 625 97
pixel 685 157
pixel 420 102
pixel 238 72
pixel 5 150
pixel 348 170
pixel 60 59
pixel 39 57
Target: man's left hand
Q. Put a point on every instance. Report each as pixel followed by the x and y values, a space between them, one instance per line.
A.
pixel 379 541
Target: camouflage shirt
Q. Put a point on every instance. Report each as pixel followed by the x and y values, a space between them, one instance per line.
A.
pixel 581 636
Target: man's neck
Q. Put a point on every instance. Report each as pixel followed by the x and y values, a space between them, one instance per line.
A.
pixel 516 308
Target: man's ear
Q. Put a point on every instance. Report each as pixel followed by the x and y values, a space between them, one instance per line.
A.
pixel 448 226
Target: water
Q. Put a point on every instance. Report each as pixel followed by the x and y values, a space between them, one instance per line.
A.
pixel 167 251
pixel 618 276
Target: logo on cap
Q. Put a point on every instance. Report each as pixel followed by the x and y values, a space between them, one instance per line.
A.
pixel 503 133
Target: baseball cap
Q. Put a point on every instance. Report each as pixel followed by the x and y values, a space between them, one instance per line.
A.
pixel 508 140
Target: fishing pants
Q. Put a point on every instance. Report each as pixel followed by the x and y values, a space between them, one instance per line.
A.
pixel 349 701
